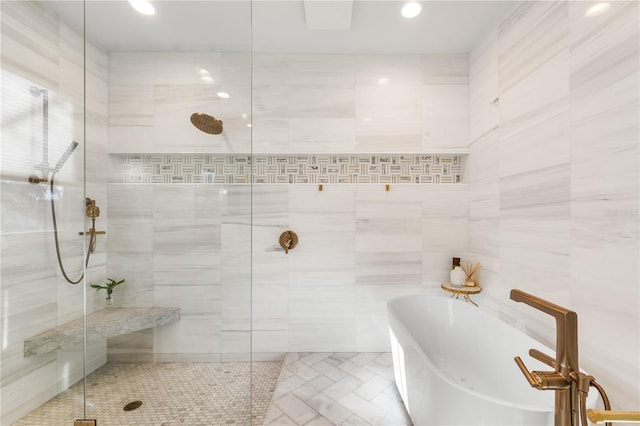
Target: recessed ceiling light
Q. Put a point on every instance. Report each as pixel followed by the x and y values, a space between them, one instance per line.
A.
pixel 383 80
pixel 142 6
pixel 411 10
pixel 203 71
pixel 223 95
pixel 207 79
pixel 597 9
pixel 249 125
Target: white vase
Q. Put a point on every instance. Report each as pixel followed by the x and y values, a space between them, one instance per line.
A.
pixel 457 276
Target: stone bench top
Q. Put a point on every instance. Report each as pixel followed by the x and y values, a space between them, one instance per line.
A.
pixel 100 325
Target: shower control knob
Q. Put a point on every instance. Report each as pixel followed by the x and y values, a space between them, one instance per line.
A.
pixel 92 210
pixel 288 240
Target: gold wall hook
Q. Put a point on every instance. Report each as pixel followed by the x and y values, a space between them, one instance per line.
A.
pixel 288 240
pixel 320 187
pixel 387 187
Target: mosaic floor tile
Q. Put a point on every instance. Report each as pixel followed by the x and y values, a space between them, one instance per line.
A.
pixel 306 389
pixel 207 394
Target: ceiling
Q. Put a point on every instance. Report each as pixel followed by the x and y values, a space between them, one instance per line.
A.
pixel 280 26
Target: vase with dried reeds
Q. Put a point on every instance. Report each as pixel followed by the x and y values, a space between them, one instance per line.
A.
pixel 470 270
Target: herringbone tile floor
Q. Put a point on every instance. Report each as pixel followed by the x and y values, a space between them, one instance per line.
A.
pixel 337 389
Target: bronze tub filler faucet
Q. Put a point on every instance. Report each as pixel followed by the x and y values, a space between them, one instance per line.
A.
pixel 570 385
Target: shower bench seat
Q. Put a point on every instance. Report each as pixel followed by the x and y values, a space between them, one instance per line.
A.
pixel 100 325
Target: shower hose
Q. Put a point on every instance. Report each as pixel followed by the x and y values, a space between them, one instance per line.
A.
pixel 92 240
pixel 583 402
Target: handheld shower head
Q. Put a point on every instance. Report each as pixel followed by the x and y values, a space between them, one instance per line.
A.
pixel 46 169
pixel 65 156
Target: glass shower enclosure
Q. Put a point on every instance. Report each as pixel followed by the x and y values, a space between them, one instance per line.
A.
pixel 133 131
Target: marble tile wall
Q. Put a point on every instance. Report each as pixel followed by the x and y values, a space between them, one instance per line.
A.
pixel 354 115
pixel 39 50
pixel 153 94
pixel 604 97
pixel 359 245
pixel 300 103
pixel 554 99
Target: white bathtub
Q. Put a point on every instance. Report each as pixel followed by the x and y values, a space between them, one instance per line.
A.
pixel 454 365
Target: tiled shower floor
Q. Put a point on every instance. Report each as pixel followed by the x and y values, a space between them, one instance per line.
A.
pixel 310 389
pixel 207 394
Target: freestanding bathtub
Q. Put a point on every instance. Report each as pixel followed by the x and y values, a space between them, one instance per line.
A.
pixel 453 365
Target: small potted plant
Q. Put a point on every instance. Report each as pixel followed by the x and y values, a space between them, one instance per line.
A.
pixel 109 285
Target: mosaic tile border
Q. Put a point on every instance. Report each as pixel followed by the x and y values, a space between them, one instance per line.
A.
pixel 291 169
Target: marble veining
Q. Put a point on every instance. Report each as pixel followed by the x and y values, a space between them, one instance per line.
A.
pixel 553 175
pixel 100 325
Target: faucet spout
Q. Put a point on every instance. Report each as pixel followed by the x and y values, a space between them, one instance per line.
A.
pixel 538 303
pixel 566 363
pixel 566 330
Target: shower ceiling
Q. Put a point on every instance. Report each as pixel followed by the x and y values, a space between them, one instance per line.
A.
pixel 280 26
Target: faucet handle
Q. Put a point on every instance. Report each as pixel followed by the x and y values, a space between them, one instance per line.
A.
pixel 532 378
pixel 543 380
pixel 542 357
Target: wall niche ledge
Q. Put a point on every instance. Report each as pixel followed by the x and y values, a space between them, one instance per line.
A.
pixel 291 168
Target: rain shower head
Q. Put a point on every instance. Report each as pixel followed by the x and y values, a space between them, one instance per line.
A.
pixel 206 123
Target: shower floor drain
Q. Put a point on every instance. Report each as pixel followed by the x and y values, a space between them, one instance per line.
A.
pixel 132 405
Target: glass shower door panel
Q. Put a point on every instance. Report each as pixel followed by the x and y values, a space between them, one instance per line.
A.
pixel 41 167
pixel 175 138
